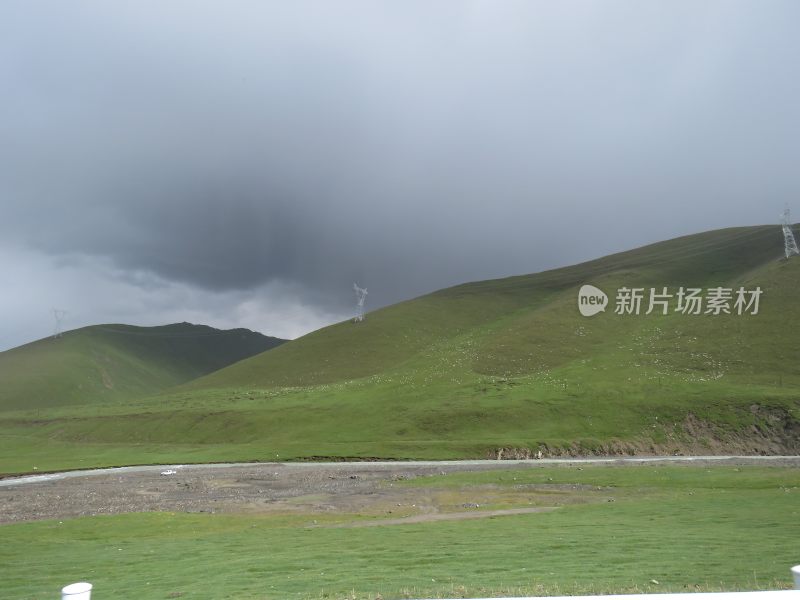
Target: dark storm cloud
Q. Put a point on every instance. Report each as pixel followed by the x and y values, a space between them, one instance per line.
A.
pixel 405 145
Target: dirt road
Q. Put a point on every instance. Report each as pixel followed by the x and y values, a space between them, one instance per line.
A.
pixel 343 488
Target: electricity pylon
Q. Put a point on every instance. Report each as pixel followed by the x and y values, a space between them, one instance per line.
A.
pixel 361 295
pixel 59 317
pixel 789 243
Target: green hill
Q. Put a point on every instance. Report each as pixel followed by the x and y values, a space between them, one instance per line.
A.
pixel 110 363
pixel 495 368
pixel 518 325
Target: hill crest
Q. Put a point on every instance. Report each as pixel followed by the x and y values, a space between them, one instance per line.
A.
pixel 112 362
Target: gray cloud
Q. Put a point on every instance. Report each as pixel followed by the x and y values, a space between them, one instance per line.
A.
pixel 239 148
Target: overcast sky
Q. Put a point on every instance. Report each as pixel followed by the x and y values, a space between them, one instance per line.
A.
pixel 242 163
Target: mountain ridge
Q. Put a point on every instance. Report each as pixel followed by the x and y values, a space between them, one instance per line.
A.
pixel 112 362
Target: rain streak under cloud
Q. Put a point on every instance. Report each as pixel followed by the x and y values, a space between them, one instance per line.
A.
pixel 243 163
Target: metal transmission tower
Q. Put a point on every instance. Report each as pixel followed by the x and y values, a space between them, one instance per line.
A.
pixel 361 295
pixel 59 317
pixel 789 243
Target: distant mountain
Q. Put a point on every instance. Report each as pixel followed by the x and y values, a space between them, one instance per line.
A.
pixel 107 363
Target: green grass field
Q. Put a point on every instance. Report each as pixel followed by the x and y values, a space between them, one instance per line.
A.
pixel 668 529
pixel 465 372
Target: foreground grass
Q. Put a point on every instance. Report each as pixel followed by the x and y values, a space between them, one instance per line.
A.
pixel 669 529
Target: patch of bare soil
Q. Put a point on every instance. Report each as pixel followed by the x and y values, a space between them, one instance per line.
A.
pixel 458 516
pixel 365 489
pixel 271 488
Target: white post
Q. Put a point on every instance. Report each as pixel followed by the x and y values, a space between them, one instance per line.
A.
pixel 796 573
pixel 77 591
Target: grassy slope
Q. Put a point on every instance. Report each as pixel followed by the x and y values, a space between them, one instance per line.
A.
pixel 492 309
pixel 684 528
pixel 106 363
pixel 496 364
